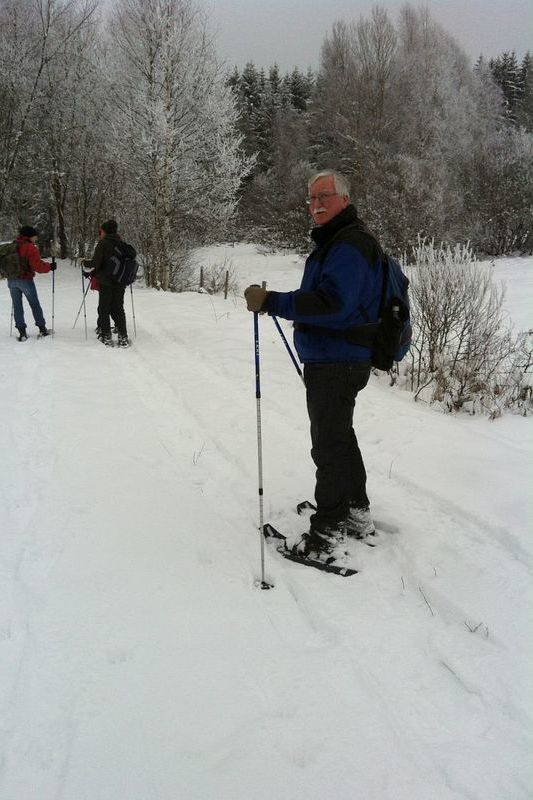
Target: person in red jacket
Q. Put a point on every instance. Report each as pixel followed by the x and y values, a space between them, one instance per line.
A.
pixel 30 263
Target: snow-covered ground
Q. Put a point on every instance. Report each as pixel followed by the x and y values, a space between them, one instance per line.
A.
pixel 138 659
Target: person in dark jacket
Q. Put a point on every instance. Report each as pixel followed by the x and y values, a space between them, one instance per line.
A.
pixel 24 286
pixel 340 289
pixel 111 296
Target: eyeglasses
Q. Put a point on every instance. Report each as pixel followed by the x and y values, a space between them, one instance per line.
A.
pixel 320 197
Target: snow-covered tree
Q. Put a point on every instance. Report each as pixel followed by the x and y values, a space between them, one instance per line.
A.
pixel 33 38
pixel 300 87
pixel 175 127
pixel 402 111
pixel 273 119
pixel 72 108
pixel 506 73
pixel 525 107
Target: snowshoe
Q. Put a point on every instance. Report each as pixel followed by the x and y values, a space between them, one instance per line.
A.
pixel 327 565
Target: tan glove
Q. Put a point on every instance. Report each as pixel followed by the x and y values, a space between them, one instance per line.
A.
pixel 255 297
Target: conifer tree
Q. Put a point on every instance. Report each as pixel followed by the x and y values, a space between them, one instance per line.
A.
pixel 507 75
pixel 525 106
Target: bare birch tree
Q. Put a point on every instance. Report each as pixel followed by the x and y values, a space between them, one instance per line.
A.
pixel 33 35
pixel 175 128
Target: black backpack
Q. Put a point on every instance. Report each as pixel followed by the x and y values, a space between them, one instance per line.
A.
pixel 122 266
pixel 9 260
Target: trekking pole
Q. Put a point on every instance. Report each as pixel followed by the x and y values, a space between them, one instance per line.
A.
pixel 289 351
pixel 53 292
pixel 80 308
pixel 263 583
pixel 83 301
pixel 133 312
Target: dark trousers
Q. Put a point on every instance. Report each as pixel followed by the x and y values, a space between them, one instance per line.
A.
pixel 111 303
pixel 340 471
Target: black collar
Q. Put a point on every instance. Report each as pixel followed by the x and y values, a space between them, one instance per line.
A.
pixel 348 216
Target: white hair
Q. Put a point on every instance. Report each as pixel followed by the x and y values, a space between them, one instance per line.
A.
pixel 341 184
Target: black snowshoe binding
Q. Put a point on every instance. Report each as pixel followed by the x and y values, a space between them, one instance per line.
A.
pixel 325 545
pixel 325 562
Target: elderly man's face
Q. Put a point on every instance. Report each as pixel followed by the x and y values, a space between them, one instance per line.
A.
pixel 325 203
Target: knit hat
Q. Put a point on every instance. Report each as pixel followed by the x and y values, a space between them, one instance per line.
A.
pixel 110 226
pixel 28 231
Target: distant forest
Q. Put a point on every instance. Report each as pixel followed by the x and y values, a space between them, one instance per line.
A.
pixel 432 146
pixel 126 111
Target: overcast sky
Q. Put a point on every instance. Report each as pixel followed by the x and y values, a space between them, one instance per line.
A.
pixel 290 32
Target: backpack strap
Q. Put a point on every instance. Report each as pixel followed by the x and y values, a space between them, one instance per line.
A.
pixel 384 282
pixel 362 335
pixel 23 261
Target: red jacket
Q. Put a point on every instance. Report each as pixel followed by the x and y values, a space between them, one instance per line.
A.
pixel 30 258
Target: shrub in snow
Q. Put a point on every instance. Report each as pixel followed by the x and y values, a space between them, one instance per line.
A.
pixel 214 277
pixel 464 355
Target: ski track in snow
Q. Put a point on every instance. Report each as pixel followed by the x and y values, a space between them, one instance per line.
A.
pixel 138 660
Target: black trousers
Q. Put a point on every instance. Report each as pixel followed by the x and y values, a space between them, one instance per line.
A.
pixel 340 471
pixel 111 303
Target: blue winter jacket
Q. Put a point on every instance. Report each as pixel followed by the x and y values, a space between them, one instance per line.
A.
pixel 341 287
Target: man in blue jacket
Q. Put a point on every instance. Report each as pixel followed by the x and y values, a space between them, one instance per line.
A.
pixel 340 289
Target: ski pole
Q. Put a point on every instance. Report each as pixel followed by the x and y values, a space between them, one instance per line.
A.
pixel 80 308
pixel 263 583
pixel 53 292
pixel 289 351
pixel 133 312
pixel 11 323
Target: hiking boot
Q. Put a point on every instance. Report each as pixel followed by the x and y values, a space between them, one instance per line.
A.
pixel 324 544
pixel 123 340
pixel 106 339
pixel 43 330
pixel 22 335
pixel 359 523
